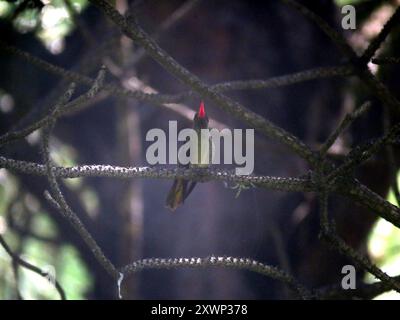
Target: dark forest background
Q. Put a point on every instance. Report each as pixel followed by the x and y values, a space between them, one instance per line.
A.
pixel 218 41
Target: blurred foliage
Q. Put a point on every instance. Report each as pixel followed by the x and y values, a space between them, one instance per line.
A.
pixel 6 8
pixel 384 248
pixel 63 258
pixel 50 20
pixel 384 238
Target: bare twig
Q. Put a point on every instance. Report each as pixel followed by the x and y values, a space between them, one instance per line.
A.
pixel 56 199
pixel 274 183
pixel 82 79
pixel 81 230
pixel 286 80
pixel 393 172
pixel 386 60
pixel 58 111
pixel 371 200
pixel 167 24
pixel 380 38
pixel 231 262
pixel 338 244
pixel 363 152
pixel 335 36
pixel 344 124
pixel 355 190
pixel 21 262
pixel 157 98
pixel 329 234
pixel 362 291
pixel 15 135
pixel 393 168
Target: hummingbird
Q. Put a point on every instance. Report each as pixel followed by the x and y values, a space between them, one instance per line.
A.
pixel 182 188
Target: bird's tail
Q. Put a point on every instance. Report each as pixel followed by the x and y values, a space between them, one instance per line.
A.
pixel 179 191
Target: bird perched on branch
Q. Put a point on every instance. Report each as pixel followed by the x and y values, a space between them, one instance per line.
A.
pixel 199 156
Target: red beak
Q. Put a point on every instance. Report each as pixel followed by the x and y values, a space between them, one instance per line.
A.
pixel 202 111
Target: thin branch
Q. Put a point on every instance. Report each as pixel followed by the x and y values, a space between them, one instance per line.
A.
pixel 66 108
pixel 157 98
pixel 213 261
pixel 355 190
pixel 386 60
pixel 380 38
pixel 379 89
pixel 25 230
pixel 176 16
pixel 338 244
pixel 329 234
pixel 167 24
pixel 323 203
pixel 73 219
pixel 393 168
pixel 57 200
pixel 15 135
pixel 270 83
pixel 344 124
pixel 364 291
pixel 361 153
pixel 274 183
pixel 346 185
pixel 334 35
pixel 135 83
pixel 371 200
pixel 286 80
pixel 82 79
pixel 21 262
